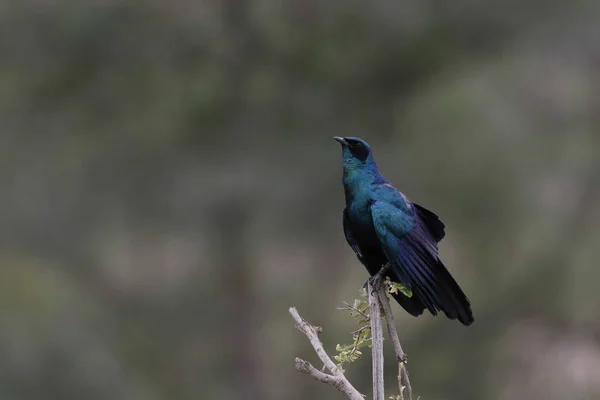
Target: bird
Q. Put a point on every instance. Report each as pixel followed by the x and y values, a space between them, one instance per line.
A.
pixel 385 229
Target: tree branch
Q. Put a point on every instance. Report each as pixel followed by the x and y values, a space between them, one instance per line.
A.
pixel 378 304
pixel 376 340
pixel 404 382
pixel 337 378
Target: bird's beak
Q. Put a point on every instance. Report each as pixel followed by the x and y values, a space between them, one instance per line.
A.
pixel 341 140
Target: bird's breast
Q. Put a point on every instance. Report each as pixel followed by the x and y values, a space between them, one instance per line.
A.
pixel 361 218
pixel 362 224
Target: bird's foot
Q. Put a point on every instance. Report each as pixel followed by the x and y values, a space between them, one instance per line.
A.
pixel 377 280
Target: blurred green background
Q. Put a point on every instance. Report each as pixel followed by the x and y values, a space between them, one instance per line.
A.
pixel 169 187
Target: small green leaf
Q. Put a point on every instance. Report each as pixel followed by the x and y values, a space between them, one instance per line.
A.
pixel 394 287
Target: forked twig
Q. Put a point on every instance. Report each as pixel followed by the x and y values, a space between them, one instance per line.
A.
pixel 337 379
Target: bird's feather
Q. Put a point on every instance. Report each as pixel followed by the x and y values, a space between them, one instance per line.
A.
pixel 433 223
pixel 350 236
pixel 373 259
pixel 415 259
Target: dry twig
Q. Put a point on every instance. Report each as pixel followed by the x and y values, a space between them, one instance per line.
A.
pixel 404 382
pixel 336 378
pixel 377 341
pixel 378 304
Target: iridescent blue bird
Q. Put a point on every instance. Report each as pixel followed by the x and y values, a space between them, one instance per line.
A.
pixel 382 225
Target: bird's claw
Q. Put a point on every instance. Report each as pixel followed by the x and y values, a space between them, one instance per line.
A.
pixel 369 281
pixel 376 281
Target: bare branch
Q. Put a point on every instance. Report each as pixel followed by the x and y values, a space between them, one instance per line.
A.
pixel 307 368
pixel 378 305
pixel 404 382
pixel 377 341
pixel 352 308
pixel 337 378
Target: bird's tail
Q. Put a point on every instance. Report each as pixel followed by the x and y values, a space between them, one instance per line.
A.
pixel 458 306
pixel 412 305
pixel 430 282
pixel 453 301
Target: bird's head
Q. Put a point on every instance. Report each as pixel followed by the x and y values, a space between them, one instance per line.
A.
pixel 356 154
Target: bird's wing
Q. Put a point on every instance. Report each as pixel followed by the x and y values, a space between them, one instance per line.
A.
pixel 373 264
pixel 433 223
pixel 350 236
pixel 386 191
pixel 392 225
pixel 414 257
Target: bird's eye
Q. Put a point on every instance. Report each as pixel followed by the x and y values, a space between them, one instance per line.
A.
pixel 358 145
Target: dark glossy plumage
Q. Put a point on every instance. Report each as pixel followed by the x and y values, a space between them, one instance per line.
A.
pixel 381 225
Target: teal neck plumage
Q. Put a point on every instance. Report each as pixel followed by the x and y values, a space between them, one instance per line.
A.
pixel 359 176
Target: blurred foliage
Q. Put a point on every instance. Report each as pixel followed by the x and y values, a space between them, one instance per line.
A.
pixel 361 337
pixel 170 187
